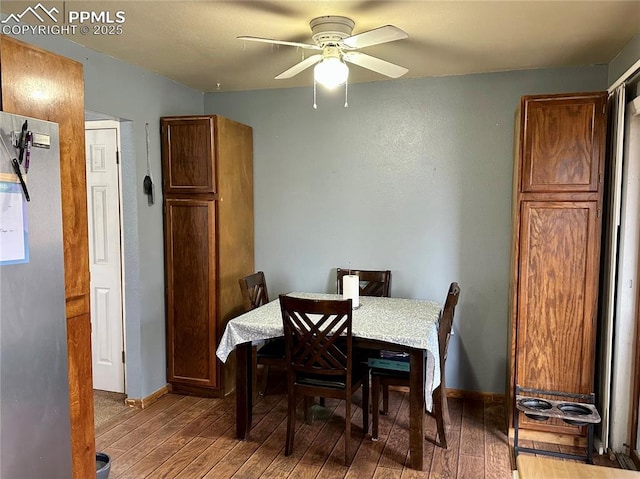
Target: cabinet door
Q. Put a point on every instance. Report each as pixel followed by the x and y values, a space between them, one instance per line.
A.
pixel 188 155
pixel 558 269
pixel 563 141
pixel 191 290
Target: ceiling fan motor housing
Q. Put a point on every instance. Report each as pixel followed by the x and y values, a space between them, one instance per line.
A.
pixel 332 34
pixel 330 30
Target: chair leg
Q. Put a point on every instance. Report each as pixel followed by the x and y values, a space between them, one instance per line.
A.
pixel 385 399
pixel 445 407
pixel 375 405
pixel 365 405
pixel 438 410
pixel 322 402
pixel 265 379
pixel 347 430
pixel 445 411
pixel 291 423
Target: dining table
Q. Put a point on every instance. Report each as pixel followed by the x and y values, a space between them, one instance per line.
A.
pixel 382 323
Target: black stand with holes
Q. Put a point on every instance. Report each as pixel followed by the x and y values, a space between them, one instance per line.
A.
pixel 575 409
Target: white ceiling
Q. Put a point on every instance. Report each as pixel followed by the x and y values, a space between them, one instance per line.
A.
pixel 194 43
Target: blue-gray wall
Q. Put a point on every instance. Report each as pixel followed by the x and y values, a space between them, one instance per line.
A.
pixel 415 176
pixel 624 60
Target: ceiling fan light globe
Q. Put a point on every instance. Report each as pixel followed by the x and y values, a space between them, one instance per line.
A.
pixel 331 72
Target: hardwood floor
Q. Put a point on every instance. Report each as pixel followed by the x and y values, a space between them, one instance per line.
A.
pixel 190 437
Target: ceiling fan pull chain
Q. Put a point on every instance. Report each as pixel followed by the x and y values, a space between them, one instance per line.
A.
pixel 315 105
pixel 346 94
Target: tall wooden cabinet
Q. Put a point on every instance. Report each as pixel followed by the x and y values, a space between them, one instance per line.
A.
pixel 41 84
pixel 207 182
pixel 557 217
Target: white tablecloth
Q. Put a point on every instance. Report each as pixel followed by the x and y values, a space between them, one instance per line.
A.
pixel 408 322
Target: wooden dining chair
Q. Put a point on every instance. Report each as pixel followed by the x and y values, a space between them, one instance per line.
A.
pixel 319 352
pixel 254 295
pixel 372 283
pixel 383 378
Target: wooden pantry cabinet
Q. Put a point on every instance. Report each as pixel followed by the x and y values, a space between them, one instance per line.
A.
pixel 557 218
pixel 207 182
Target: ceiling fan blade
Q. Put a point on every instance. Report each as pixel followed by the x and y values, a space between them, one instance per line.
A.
pixel 280 42
pixel 298 67
pixel 388 33
pixel 376 64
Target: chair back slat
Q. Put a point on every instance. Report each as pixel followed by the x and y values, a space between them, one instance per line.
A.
pixel 372 283
pixel 254 290
pixel 317 335
pixel 446 322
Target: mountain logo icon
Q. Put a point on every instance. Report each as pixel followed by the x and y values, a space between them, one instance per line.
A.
pixel 39 11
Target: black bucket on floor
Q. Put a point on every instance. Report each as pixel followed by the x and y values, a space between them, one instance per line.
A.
pixel 103 465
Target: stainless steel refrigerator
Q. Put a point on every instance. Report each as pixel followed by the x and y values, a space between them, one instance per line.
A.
pixel 35 431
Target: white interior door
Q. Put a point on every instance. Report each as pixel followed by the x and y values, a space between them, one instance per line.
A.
pixel 103 204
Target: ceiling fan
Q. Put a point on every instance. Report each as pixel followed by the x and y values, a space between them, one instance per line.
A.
pixel 332 37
